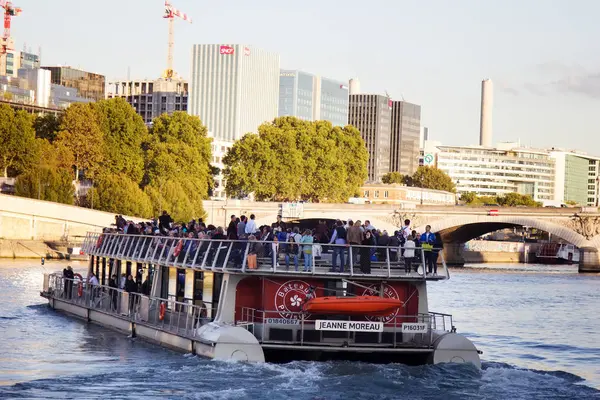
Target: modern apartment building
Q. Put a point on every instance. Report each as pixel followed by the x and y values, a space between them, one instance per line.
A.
pixel 371 114
pixel 89 85
pixel 152 98
pixel 311 98
pixel 577 178
pixel 498 171
pixel 405 137
pixel 219 148
pixel 234 88
pixel 12 61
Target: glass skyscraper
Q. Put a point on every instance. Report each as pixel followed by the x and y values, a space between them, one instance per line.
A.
pixel 312 98
pixel 405 137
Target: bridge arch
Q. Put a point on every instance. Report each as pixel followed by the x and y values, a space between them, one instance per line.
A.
pixel 461 229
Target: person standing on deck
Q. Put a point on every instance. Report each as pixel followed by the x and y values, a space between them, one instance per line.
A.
pixel 69 276
pixel 112 284
pixel 365 253
pixel 339 238
pixel 438 246
pixel 427 241
pixel 409 254
pixel 307 240
pixel 232 229
pixel 251 225
pixel 131 288
pixel 164 222
pixel 241 228
pixel 354 237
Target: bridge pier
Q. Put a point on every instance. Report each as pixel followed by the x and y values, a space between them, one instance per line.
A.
pixel 589 260
pixel 453 254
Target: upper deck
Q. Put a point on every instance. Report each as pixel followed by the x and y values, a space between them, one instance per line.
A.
pixel 232 256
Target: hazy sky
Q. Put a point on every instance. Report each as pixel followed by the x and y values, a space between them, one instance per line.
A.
pixel 543 55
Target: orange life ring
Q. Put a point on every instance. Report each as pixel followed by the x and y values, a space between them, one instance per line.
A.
pixel 80 289
pixel 178 248
pixel 99 241
pixel 161 311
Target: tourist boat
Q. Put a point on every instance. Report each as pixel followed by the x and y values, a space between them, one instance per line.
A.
pixel 200 296
pixel 558 253
pixel 372 306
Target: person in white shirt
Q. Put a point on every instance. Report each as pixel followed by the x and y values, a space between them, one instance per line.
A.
pixel 409 254
pixel 93 280
pixel 406 232
pixel 251 225
pixel 123 280
pixel 368 226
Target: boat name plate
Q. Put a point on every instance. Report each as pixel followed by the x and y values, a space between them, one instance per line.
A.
pixel 355 326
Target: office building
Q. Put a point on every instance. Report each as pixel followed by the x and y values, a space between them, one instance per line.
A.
pixel 371 114
pixel 312 98
pixel 89 85
pixel 496 172
pixel 12 61
pixel 218 150
pixel 152 98
pixel 485 121
pixel 234 88
pixel 379 193
pixel 576 178
pixel 405 137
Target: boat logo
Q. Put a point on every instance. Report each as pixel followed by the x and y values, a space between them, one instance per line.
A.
pixel 289 298
pixel 389 293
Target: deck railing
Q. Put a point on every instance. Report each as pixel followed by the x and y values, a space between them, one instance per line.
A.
pixel 223 255
pixel 299 329
pixel 181 318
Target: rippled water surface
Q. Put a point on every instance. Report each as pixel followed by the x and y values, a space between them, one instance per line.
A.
pixel 538 327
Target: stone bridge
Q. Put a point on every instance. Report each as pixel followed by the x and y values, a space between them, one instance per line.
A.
pixel 457 224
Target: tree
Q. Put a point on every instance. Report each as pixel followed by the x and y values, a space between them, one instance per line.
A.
pixel 81 134
pixel 123 133
pixel 515 199
pixel 432 178
pixel 393 177
pixel 46 127
pixel 120 195
pixel 45 183
pixel 177 160
pixel 291 159
pixel 468 197
pixel 17 139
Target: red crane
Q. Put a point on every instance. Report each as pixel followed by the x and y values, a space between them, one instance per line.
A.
pixel 9 11
pixel 170 13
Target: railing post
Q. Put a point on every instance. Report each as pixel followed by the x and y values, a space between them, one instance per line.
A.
pixel 312 256
pixel 224 268
pixel 206 255
pixel 196 255
pixel 351 258
pixel 387 257
pixel 424 263
pixel 245 260
pixel 187 252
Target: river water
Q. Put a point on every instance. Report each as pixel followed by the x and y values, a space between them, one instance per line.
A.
pixel 537 325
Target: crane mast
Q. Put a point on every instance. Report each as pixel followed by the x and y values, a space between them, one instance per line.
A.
pixel 10 11
pixel 171 13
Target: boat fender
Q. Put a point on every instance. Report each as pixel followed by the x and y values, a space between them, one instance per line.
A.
pixel 99 241
pixel 178 248
pixel 161 311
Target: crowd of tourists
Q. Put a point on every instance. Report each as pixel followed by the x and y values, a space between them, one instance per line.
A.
pixel 349 242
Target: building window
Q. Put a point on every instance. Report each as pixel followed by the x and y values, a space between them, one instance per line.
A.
pixel 366 193
pixel 385 194
pixel 377 194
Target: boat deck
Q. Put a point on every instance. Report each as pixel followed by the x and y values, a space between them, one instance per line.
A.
pixel 232 256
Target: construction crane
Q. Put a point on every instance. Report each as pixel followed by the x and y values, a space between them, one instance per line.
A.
pixel 9 12
pixel 170 13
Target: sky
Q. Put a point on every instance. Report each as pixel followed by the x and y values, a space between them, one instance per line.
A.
pixel 542 55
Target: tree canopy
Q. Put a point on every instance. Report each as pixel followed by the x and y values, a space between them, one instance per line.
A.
pixel 291 159
pixel 395 177
pixel 17 138
pixel 46 183
pixel 507 200
pixel 432 178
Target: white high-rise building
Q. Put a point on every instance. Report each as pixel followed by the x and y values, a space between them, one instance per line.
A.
pixel 234 88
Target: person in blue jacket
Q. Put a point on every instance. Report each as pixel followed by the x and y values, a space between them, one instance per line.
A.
pixel 427 242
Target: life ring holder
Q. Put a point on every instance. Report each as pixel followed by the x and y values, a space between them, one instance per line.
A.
pixel 161 311
pixel 99 241
pixel 178 248
pixel 80 285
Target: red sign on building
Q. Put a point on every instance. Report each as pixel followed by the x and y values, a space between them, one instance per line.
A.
pixel 226 49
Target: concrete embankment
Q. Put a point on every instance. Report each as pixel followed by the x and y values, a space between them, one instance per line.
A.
pixel 10 248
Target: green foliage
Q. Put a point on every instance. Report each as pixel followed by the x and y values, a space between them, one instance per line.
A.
pixel 80 133
pixel 46 127
pixel 432 178
pixel 508 200
pixel 17 140
pixel 291 159
pixel 177 161
pixel 120 195
pixel 46 183
pixel 123 133
pixel 395 177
